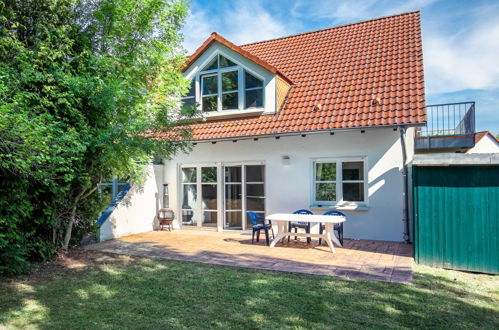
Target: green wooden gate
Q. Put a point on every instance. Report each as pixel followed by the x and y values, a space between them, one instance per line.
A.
pixel 456 217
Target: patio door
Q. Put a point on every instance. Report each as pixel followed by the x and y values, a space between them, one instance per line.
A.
pixel 200 196
pixel 244 187
pixel 220 195
pixel 233 217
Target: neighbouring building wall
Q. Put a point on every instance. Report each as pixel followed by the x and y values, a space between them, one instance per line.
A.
pixel 289 186
pixel 136 213
pixel 487 145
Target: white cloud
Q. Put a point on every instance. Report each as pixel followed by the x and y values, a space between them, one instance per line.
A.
pixel 197 28
pixel 465 59
pixel 240 22
pixel 250 22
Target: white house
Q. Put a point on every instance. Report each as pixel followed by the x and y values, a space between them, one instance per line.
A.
pixel 321 120
pixel 485 143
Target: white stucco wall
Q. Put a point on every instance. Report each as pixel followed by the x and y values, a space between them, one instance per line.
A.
pixel 487 145
pixel 289 188
pixel 136 213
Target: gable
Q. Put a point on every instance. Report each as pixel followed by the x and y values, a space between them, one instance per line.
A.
pixel 245 69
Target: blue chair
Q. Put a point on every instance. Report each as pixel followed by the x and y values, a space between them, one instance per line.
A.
pixel 258 223
pixel 337 226
pixel 303 225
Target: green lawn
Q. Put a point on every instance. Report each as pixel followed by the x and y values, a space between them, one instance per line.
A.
pixel 153 293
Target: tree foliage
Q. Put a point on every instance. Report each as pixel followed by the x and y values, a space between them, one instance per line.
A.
pixel 86 86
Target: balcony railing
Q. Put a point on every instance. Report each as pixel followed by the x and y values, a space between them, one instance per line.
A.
pixel 449 125
pixel 449 119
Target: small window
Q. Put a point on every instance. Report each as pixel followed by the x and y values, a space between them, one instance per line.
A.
pixel 253 91
pixel 339 181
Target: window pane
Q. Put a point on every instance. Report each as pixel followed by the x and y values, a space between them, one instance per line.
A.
pixel 188 218
pixel 189 174
pixel 353 171
pixel 209 219
pixel 210 103
pixel 212 65
pixel 325 171
pixel 225 62
pixel 325 192
pixel 209 196
pixel 189 198
pixel 233 174
pixel 255 204
pixel 254 98
pixel 250 81
pixel 230 101
pixel 229 81
pixel 210 84
pixel 233 219
pixel 192 89
pixel 233 197
pixel 353 192
pixel 254 173
pixel 208 174
pixel 255 190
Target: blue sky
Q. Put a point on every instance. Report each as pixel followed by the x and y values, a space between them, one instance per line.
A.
pixel 460 38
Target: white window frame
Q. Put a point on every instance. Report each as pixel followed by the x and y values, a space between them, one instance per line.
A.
pixel 217 94
pixel 240 84
pixel 198 212
pixel 339 182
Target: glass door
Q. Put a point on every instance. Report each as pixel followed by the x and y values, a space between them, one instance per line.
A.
pixel 199 196
pixel 189 196
pixel 209 196
pixel 233 197
pixel 255 190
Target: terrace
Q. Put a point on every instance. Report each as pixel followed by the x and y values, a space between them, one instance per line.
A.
pixel 357 259
pixel 449 127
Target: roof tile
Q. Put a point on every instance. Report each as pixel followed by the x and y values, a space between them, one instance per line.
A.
pixel 344 69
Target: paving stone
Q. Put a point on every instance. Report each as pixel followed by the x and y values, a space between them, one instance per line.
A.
pixel 359 259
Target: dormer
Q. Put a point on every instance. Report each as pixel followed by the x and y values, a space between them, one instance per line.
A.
pixel 228 82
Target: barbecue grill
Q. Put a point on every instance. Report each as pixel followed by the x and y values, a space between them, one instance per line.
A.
pixel 165 219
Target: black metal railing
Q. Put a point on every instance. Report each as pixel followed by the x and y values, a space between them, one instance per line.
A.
pixel 449 119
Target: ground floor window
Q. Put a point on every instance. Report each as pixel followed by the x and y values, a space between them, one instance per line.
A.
pixel 220 195
pixel 339 181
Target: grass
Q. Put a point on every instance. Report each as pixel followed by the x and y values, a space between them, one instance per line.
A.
pixel 124 292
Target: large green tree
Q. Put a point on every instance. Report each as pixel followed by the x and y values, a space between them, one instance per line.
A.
pixel 86 88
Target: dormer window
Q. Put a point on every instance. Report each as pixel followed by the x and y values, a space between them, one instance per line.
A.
pixel 224 86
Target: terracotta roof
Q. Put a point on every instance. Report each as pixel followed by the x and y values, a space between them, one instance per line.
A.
pixel 481 135
pixel 345 69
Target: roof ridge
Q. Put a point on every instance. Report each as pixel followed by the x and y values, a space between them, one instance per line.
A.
pixel 332 27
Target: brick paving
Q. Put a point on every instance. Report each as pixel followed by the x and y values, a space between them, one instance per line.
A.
pixel 358 259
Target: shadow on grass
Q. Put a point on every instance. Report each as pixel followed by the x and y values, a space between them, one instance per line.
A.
pixel 152 293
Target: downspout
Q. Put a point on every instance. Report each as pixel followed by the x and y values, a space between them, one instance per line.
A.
pixel 403 130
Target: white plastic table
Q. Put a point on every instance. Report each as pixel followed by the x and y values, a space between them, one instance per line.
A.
pixel 282 220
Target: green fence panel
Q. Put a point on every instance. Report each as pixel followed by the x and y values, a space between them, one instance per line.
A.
pixel 456 217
